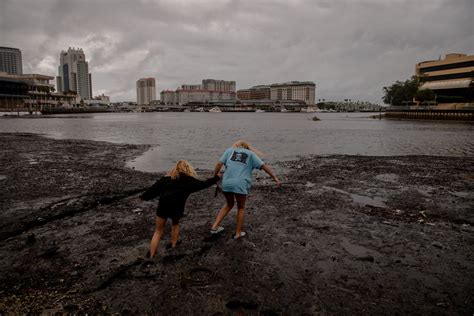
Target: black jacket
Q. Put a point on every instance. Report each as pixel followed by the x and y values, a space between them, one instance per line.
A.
pixel 173 193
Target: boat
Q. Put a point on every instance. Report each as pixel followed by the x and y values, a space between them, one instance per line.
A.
pixel 187 110
pixel 283 110
pixel 309 109
pixel 215 109
pixel 201 109
pixel 259 111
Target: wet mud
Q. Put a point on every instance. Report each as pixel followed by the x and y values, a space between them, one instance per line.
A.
pixel 343 235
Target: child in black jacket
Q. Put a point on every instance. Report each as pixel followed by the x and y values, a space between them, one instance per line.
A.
pixel 173 190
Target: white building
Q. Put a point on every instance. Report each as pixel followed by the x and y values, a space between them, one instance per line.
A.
pixel 211 90
pixel 167 97
pixel 294 90
pixel 146 91
pixel 98 100
pixel 202 96
pixel 73 73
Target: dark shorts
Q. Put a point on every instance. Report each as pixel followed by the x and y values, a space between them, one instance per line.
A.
pixel 174 215
pixel 236 194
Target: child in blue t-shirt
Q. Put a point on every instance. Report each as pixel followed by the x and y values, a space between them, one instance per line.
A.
pixel 239 161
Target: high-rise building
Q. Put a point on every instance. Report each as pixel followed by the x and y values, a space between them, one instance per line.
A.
pixel 10 61
pixel 73 73
pixel 146 91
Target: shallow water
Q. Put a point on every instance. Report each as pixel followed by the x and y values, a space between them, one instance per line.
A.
pixel 202 137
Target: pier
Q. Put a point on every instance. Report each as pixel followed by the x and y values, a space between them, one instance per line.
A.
pixel 431 114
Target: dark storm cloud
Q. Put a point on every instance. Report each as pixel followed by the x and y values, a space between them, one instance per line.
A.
pixel 350 48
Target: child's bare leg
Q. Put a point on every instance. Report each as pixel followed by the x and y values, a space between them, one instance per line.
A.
pixel 155 240
pixel 174 232
pixel 229 197
pixel 240 198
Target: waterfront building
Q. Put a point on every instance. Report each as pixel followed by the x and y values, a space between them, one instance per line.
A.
pixel 191 87
pixel 10 61
pixel 218 85
pixel 294 90
pixel 73 73
pixel 98 100
pixel 210 91
pixel 167 97
pixel 243 94
pixel 451 78
pixel 183 97
pixel 146 91
pixel 260 92
pixel 32 92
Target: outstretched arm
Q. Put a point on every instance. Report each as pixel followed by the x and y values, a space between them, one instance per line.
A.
pixel 218 168
pixel 269 171
pixel 196 185
pixel 154 191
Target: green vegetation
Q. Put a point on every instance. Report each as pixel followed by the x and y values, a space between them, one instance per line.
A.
pixel 425 96
pixel 401 92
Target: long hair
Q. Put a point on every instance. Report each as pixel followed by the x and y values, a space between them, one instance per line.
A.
pixel 184 167
pixel 243 144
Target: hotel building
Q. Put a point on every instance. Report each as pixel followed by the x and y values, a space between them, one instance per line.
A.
pixel 146 91
pixel 73 73
pixel 295 90
pixel 254 93
pixel 451 78
pixel 218 85
pixel 10 61
pixel 210 91
pixel 167 97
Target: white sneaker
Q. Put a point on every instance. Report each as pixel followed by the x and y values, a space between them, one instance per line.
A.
pixel 218 230
pixel 242 234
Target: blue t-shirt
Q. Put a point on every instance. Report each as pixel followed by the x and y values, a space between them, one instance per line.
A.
pixel 239 164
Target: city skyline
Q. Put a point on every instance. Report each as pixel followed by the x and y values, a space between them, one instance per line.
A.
pixel 350 49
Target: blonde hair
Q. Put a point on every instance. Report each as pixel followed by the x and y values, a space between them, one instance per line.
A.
pixel 243 144
pixel 184 167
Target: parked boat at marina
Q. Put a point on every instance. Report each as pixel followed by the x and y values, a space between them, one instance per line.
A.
pixel 215 109
pixel 309 109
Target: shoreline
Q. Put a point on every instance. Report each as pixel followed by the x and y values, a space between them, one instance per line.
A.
pixel 344 234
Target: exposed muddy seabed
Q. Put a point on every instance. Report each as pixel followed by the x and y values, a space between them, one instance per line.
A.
pixel 343 235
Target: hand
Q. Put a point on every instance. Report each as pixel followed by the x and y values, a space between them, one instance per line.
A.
pixel 277 182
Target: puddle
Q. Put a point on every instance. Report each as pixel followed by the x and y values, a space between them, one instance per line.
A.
pixel 365 200
pixel 361 199
pixel 2 177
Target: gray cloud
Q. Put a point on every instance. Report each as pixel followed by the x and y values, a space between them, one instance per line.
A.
pixel 350 48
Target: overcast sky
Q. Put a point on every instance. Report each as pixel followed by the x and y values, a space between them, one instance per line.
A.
pixel 349 48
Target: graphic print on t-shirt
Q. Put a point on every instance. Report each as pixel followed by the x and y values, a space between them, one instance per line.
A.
pixel 239 157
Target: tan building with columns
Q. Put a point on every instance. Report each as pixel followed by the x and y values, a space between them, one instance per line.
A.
pixel 451 78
